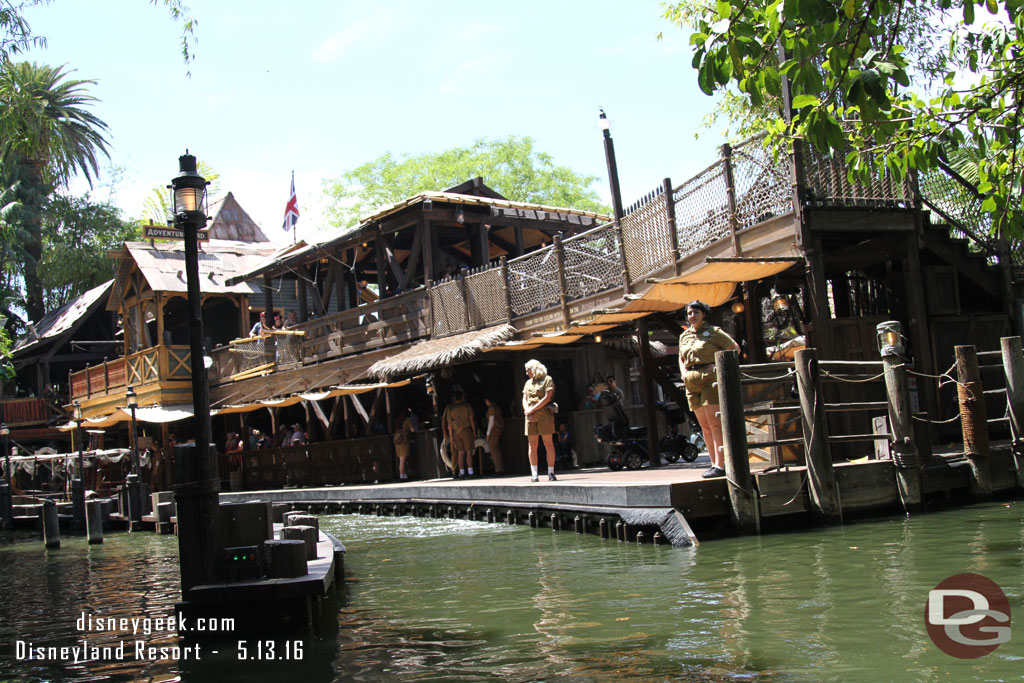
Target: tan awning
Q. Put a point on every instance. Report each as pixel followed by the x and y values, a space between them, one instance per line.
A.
pixel 736 269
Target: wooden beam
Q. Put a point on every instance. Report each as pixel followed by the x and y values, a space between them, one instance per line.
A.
pixel 429 249
pixel 303 306
pixel 379 248
pixel 520 247
pixel 414 258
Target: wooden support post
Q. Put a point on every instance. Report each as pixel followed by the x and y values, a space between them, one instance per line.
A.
pixel 821 475
pixel 268 299
pixel 730 198
pixel 1013 366
pixel 913 276
pixel 670 213
pixel 743 502
pixel 503 262
pixel 563 289
pixel 647 389
pixel 904 450
pixel 302 296
pixel 973 420
pixel 626 288
pixel 429 242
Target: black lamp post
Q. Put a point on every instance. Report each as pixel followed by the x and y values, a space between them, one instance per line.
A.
pixel 6 501
pixel 197 481
pixel 77 486
pixel 5 432
pixel 132 480
pixel 613 169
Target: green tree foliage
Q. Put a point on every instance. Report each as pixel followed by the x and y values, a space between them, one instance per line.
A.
pixel 866 80
pixel 77 233
pixel 47 135
pixel 510 166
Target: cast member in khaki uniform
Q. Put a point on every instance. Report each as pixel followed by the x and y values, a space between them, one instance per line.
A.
pixel 698 345
pixel 403 431
pixel 495 426
pixel 461 433
pixel 538 393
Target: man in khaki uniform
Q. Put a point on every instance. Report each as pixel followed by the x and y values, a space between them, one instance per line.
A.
pixel 495 425
pixel 460 431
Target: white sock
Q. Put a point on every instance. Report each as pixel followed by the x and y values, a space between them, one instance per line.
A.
pixel 471 471
pixel 551 470
pixel 461 471
pixel 533 470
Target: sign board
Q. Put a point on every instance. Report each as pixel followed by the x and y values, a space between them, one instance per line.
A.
pixel 156 232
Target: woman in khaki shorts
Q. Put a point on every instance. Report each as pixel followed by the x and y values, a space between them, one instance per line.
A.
pixel 698 345
pixel 540 417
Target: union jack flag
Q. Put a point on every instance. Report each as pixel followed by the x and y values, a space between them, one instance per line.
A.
pixel 291 211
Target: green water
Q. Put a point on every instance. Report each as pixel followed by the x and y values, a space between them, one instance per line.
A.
pixel 438 600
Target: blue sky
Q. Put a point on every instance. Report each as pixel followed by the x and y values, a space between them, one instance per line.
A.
pixel 321 87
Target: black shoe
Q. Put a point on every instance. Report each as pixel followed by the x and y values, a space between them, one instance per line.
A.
pixel 551 476
pixel 713 472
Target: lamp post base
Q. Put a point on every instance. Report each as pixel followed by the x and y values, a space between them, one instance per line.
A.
pixel 134 486
pixel 78 504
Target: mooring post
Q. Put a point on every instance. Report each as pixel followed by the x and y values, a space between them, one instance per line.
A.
pixel 821 474
pixel 94 521
pixel 973 419
pixel 51 524
pixel 742 500
pixel 904 450
pixel 6 505
pixel 1013 366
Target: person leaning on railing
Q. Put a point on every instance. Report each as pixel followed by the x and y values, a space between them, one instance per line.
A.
pixel 698 345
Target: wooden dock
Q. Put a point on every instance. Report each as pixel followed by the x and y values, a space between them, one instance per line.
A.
pixel 672 501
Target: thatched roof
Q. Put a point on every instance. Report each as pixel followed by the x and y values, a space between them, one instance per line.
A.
pixel 436 353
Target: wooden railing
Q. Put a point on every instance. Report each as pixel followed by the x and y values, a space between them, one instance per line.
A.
pixel 24 411
pixel 159 363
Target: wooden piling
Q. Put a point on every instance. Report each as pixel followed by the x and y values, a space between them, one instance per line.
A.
pixel 904 450
pixel 821 475
pixel 94 521
pixel 973 420
pixel 743 504
pixel 1013 367
pixel 51 524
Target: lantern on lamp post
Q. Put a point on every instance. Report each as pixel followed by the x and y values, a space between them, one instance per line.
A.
pixel 890 338
pixel 197 480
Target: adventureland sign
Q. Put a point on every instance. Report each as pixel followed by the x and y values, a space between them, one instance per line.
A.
pixel 156 232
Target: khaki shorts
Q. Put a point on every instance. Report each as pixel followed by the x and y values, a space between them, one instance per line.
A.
pixel 544 423
pixel 701 389
pixel 462 442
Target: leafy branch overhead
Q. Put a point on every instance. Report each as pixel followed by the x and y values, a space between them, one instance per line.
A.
pixel 891 85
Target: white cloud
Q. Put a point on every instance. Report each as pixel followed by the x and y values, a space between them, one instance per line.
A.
pixel 330 48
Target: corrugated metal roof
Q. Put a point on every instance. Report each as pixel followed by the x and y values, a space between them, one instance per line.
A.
pixel 163 264
pixel 63 319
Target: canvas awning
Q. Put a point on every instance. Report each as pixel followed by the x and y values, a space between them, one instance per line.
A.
pixel 713 282
pixel 342 390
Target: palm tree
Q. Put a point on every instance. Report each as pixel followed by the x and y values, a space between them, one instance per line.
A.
pixel 47 136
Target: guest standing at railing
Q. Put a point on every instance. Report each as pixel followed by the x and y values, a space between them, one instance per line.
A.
pixel 698 345
pixel 538 394
pixel 260 325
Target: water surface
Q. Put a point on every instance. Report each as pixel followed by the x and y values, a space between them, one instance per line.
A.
pixel 442 600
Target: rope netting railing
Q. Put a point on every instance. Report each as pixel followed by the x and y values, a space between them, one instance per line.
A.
pixel 593 262
pixel 647 236
pixel 827 183
pixel 763 186
pixel 448 308
pixel 958 203
pixel 485 298
pixel 533 282
pixel 702 209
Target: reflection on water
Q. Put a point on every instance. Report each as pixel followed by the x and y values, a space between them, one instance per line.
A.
pixel 455 600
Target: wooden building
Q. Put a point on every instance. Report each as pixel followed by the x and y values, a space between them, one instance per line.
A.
pixel 463 286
